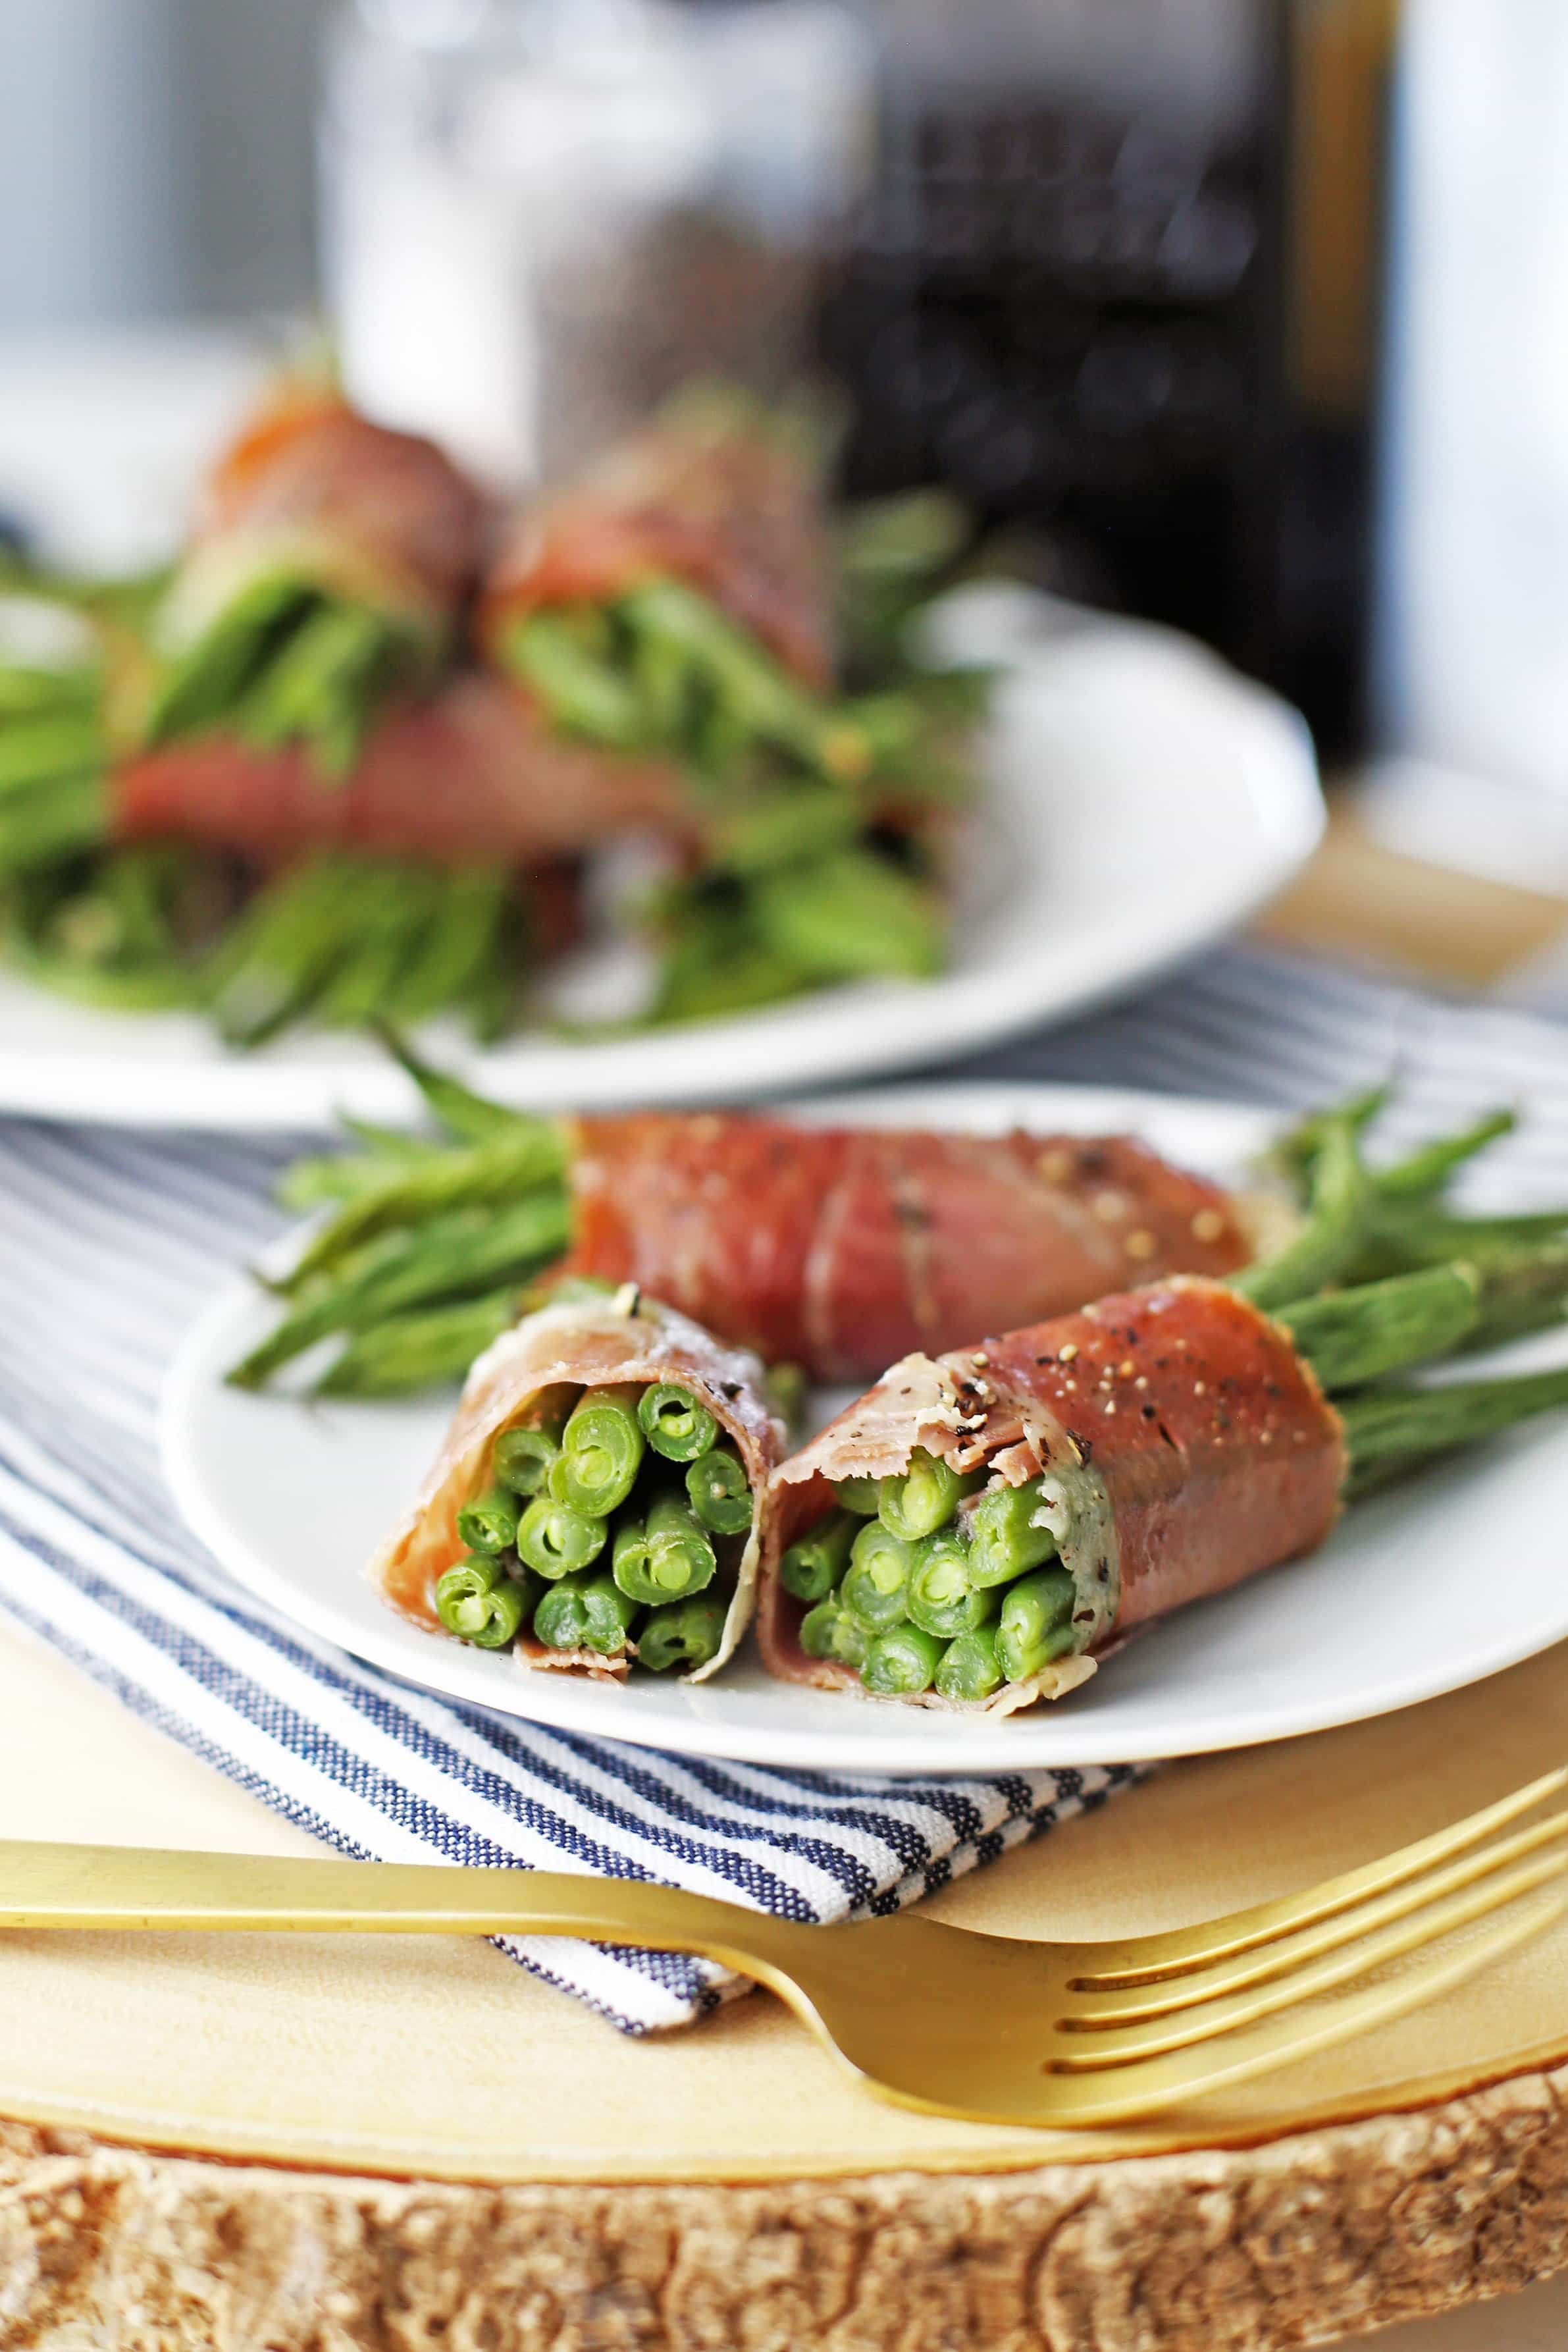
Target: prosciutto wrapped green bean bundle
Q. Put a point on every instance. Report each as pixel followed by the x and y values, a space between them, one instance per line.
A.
pixel 594 1505
pixel 330 563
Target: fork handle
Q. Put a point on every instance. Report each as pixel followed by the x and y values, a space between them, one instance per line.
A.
pixel 45 1886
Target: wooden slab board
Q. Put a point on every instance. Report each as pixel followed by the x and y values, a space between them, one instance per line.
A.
pixel 419 2126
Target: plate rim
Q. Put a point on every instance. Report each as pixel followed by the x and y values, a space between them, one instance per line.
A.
pixel 832 1036
pixel 981 1747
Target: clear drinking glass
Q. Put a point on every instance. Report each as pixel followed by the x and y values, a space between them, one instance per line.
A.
pixel 540 216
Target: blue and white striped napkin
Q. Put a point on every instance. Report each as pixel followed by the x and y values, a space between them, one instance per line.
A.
pixel 114 1241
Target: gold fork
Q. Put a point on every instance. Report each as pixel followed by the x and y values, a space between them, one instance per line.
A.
pixel 993 2028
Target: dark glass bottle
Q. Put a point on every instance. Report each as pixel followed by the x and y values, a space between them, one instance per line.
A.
pixel 1099 286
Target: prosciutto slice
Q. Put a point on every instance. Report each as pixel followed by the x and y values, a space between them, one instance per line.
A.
pixel 592 1343
pixel 1185 1446
pixel 471 774
pixel 310 486
pixel 724 505
pixel 841 1249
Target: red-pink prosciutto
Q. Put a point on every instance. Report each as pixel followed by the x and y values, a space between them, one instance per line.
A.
pixel 471 774
pixel 840 1249
pixel 310 486
pixel 720 501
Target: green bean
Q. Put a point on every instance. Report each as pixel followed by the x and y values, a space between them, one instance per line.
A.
pixel 942 1599
pixel 861 1496
pixel 1427 1171
pixel 608 1616
pixel 488 1522
pixel 819 1625
pixel 559 1620
pixel 480 1603
pixel 850 1640
pixel 1339 1213
pixel 753 689
pixel 1523 1290
pixel 681 1556
pixel 392 910
pixel 581 691
pixel 1390 1431
pixel 479 1175
pixel 40 751
pixel 208 677
pixel 320 683
pixel 521 1457
pixel 467 1116
pixel 420 1351
pixel 1036 1624
pixel 465 930
pixel 1007 1537
pixel 1352 1336
pixel 922 1498
pixel 970 1669
pixel 1295 1151
pixel 28 695
pixel 600 1453
pixel 556 1541
pixel 812 1569
pixel 781 827
pixel 851 914
pixel 674 1422
pixel 280 955
pixel 683 1633
pixel 902 1663
pixel 877 1578
pixel 713 961
pixel 720 1492
pixel 444 1259
pixel 54 820
pixel 323 1178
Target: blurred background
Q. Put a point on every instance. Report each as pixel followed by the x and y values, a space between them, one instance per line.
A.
pixel 1254 313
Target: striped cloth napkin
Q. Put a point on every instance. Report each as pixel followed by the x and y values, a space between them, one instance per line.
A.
pixel 113 1241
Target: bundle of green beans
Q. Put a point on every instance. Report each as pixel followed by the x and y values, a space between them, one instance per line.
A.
pixel 613 1526
pixel 927 1579
pixel 811 811
pixel 282 661
pixel 339 938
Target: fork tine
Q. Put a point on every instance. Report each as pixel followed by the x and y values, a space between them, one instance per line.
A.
pixel 1147 1958
pixel 1121 2045
pixel 1122 2095
pixel 1170 1995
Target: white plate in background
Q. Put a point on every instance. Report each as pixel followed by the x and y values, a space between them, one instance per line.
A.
pixel 293 1499
pixel 1141 800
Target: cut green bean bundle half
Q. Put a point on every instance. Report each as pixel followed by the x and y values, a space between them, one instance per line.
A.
pixel 1182 1429
pixel 615 1548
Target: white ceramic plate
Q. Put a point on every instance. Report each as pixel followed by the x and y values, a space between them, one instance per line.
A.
pixel 1142 800
pixel 1416 1593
